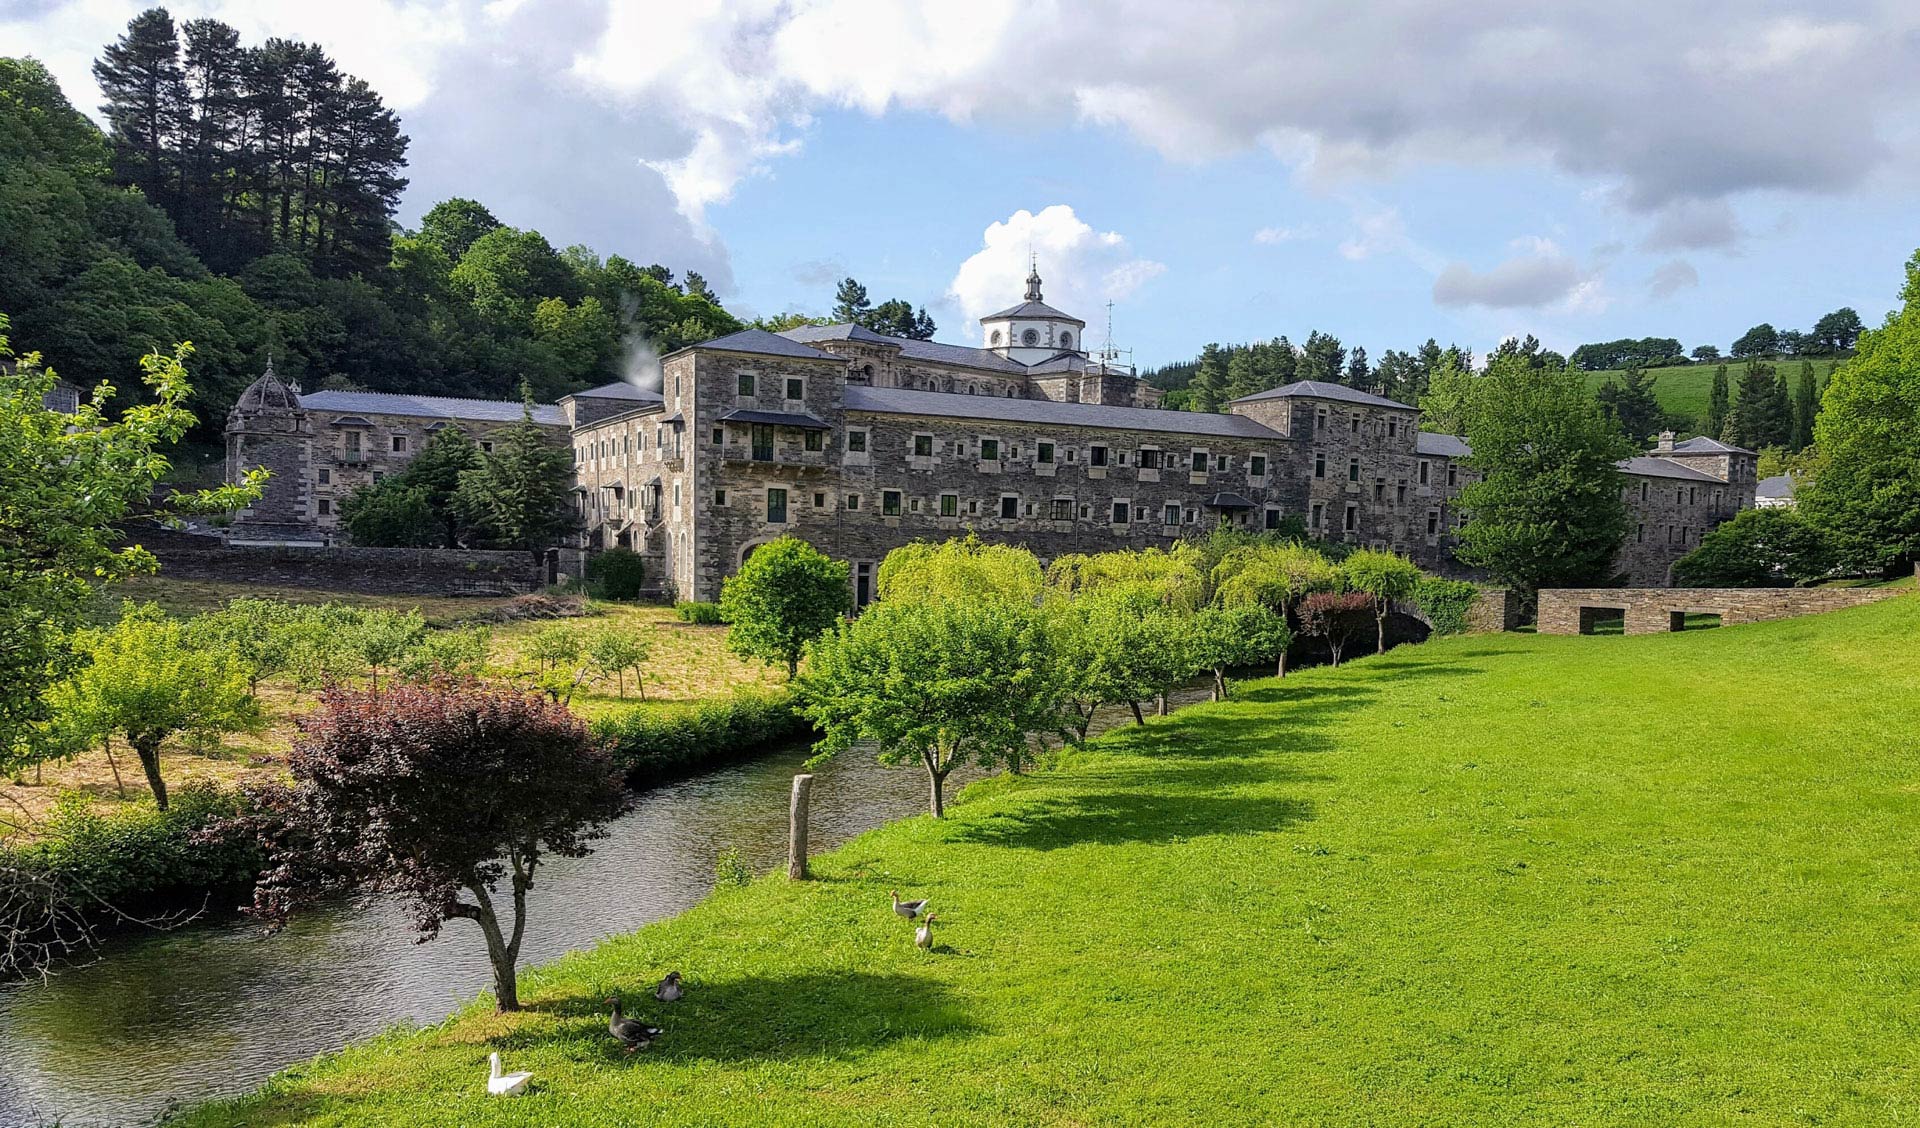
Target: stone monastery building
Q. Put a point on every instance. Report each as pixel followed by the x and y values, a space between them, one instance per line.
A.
pixel 860 442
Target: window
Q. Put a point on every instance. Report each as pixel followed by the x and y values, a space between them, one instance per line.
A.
pixel 1379 493
pixel 1030 337
pixel 1393 428
pixel 1426 472
pixel 1317 514
pixel 1120 512
pixel 1066 340
pixel 719 436
pixel 857 442
pixel 719 497
pixel 487 446
pixel 776 505
pixel 1149 458
pixel 1353 517
pixel 1220 463
pixel 1319 465
pixel 1273 518
pixel 915 506
pixel 378 475
pixel 1433 522
pixel 1320 419
pixel 399 444
pixel 1063 509
pixel 816 440
pixel 1400 494
pixel 1353 469
pixel 889 503
pixel 1043 453
pixel 1640 534
pixel 353 442
pixel 923 446
pixel 1690 495
pixel 326 476
pixel 949 505
pixel 762 443
pixel 325 507
pixel 993 338
pixel 1120 457
pixel 989 450
pixel 1171 515
pixel 1453 475
pixel 1009 506
pixel 1353 423
pixel 1257 466
pixel 746 383
pixel 1096 456
pixel 796 388
pixel 1199 463
pixel 853 501
pixel 973 508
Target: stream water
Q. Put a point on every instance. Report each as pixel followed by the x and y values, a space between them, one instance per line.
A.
pixel 168 1019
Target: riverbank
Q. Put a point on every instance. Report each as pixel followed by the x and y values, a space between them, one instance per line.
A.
pixel 1493 879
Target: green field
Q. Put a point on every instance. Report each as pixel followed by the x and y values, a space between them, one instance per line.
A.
pixel 1685 389
pixel 1509 879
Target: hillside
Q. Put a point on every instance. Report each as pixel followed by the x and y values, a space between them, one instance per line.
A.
pixel 1685 389
pixel 1496 879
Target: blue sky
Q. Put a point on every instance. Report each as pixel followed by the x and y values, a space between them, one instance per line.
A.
pixel 1385 170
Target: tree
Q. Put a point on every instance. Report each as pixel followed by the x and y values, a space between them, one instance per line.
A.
pixel 1321 358
pixel 1383 577
pixel 1762 414
pixel 1706 354
pixel 1335 616
pixel 1717 406
pixel 1211 380
pixel 434 474
pixel 1630 404
pixel 1243 635
pixel 615 651
pixel 964 568
pixel 1358 375
pixel 1866 494
pixel 68 483
pixel 1758 548
pixel 402 794
pixel 1450 389
pixel 146 96
pixel 1140 646
pixel 1837 332
pixel 1547 508
pixel 259 633
pixel 945 682
pixel 786 595
pixel 617 573
pixel 145 680
pixel 1274 575
pixel 850 302
pixel 520 492
pixel 389 514
pixel 456 224
pixel 1761 340
pixel 383 639
pixel 1806 405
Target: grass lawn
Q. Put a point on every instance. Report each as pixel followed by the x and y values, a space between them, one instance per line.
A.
pixel 1685 389
pixel 690 664
pixel 1665 879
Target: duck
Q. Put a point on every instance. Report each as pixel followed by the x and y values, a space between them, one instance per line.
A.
pixel 923 939
pixel 908 909
pixel 669 989
pixel 636 1035
pixel 504 1084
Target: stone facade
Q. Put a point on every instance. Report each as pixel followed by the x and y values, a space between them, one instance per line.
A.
pixel 860 443
pixel 1568 611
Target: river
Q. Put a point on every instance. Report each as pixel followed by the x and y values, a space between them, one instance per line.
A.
pixel 170 1019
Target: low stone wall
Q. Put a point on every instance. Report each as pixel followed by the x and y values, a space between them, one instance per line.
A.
pixel 372 571
pixel 1568 611
pixel 1497 609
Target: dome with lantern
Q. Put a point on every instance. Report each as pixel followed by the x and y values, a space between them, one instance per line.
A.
pixel 1033 331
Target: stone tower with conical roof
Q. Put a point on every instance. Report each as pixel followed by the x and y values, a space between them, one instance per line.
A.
pixel 268 428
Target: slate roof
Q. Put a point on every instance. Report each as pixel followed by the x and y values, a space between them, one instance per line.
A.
pixel 618 390
pixel 903 401
pixel 1700 444
pixel 1778 486
pixel 964 356
pixel 1648 467
pixel 431 407
pixel 1317 389
pixel 1444 446
pixel 806 421
pixel 1227 500
pixel 1038 310
pixel 761 342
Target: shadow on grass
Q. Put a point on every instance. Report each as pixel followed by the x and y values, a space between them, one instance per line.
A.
pixel 1114 818
pixel 766 1017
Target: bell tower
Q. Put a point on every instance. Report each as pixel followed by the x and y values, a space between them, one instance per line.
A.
pixel 1033 331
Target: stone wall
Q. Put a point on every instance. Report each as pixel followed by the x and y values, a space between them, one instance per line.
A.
pixel 1568 611
pixel 1666 517
pixel 369 571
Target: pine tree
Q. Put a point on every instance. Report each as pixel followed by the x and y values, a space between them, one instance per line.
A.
pixel 1762 415
pixel 1806 405
pixel 520 492
pixel 1717 403
pixel 850 302
pixel 1358 374
pixel 1322 358
pixel 1210 379
pixel 1630 404
pixel 146 103
pixel 1241 380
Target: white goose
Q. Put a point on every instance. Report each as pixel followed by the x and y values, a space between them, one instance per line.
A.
pixel 923 938
pixel 908 909
pixel 504 1084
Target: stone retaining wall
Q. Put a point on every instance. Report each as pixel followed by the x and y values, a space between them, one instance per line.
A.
pixel 1568 611
pixel 371 571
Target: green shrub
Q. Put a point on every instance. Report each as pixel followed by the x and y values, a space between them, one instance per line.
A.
pixel 617 573
pixel 1445 603
pixel 705 614
pixel 731 869
pixel 652 747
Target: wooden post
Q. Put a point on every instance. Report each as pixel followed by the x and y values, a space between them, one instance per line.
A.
pixel 797 828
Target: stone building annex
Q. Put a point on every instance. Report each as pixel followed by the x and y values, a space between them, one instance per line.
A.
pixel 859 443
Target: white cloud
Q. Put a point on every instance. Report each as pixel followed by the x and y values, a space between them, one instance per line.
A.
pixel 1538 275
pixel 1271 236
pixel 1671 277
pixel 1694 225
pixel 1082 268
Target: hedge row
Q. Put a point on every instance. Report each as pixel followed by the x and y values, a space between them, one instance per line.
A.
pixel 652 747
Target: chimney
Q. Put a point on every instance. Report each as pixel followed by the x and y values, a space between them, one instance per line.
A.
pixel 1666 443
